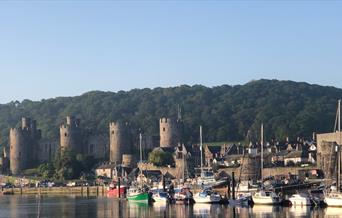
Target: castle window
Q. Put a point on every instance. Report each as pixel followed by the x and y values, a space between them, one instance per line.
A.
pixel 113 132
pixel 163 129
pixel 65 134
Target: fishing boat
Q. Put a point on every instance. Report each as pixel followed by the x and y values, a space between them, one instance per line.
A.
pixel 266 197
pixel 113 191
pixel 207 196
pixel 139 192
pixel 138 195
pixel 301 200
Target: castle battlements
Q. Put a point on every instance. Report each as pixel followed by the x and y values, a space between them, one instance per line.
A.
pixel 118 125
pixel 165 120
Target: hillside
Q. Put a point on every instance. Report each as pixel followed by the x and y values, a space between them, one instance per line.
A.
pixel 226 112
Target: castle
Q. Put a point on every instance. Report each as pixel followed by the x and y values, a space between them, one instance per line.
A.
pixel 28 149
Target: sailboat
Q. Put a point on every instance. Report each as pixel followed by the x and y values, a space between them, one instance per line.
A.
pixel 207 178
pixel 138 192
pixel 334 198
pixel 262 196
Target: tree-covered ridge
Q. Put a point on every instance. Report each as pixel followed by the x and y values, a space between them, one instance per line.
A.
pixel 226 112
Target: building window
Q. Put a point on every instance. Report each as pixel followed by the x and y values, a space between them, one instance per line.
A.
pixel 112 132
pixel 65 134
pixel 164 129
pixel 19 154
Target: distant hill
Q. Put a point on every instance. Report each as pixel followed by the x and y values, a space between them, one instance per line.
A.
pixel 226 112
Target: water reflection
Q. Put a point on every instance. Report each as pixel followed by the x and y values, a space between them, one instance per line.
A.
pixel 77 206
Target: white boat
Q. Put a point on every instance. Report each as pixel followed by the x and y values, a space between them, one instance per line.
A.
pixel 241 200
pixel 334 199
pixel 184 196
pixel 300 200
pixel 266 197
pixel 246 187
pixel 207 196
pixel 160 196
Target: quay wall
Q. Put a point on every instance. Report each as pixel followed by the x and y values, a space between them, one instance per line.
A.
pixel 85 190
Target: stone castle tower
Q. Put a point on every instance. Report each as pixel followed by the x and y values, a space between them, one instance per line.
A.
pixel 120 142
pixel 24 145
pixel 170 132
pixel 71 135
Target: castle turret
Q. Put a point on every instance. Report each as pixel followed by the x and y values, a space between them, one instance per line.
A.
pixel 71 135
pixel 23 145
pixel 169 132
pixel 120 141
pixel 18 150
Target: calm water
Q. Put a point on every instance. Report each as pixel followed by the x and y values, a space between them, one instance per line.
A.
pixel 73 206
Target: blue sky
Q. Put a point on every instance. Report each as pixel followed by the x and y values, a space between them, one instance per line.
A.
pixel 66 48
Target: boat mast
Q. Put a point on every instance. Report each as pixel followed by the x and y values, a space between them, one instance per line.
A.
pixel 339 115
pixel 338 179
pixel 140 139
pixel 262 150
pixel 201 149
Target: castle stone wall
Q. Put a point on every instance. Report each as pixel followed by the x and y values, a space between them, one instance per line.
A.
pixel 169 132
pixel 120 141
pixel 24 145
pixel 71 135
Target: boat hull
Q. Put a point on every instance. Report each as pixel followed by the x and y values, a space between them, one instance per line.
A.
pixel 266 201
pixel 141 197
pixel 333 202
pixel 115 192
pixel 207 199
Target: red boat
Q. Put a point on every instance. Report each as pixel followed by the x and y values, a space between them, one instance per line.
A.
pixel 114 192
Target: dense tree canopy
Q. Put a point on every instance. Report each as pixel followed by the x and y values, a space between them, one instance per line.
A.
pixel 226 112
pixel 161 158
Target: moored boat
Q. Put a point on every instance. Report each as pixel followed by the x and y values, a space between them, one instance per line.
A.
pixel 333 199
pixel 266 197
pixel 301 200
pixel 116 192
pixel 241 200
pixel 139 195
pixel 184 196
pixel 160 196
pixel 207 196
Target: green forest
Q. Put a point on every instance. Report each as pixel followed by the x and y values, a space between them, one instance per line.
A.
pixel 226 112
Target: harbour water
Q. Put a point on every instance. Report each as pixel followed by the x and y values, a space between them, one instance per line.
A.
pixel 17 206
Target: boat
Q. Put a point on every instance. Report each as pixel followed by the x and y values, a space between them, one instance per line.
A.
pixel 301 200
pixel 266 197
pixel 113 191
pixel 333 199
pixel 160 196
pixel 241 200
pixel 207 178
pixel 184 196
pixel 138 192
pixel 207 196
